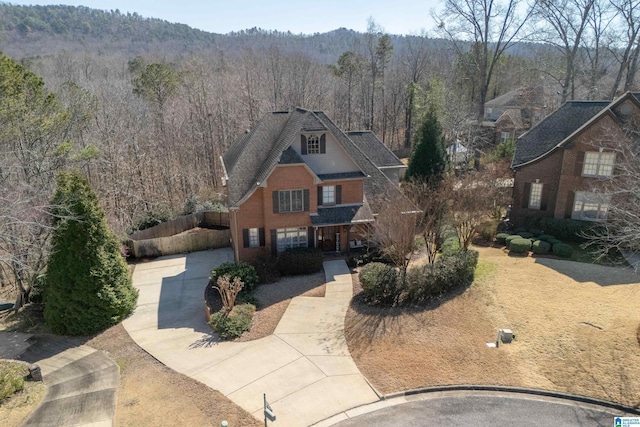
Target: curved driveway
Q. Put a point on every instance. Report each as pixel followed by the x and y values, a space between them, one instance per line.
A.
pixel 476 409
pixel 304 368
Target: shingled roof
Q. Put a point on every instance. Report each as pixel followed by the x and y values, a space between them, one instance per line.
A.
pixel 379 153
pixel 252 157
pixel 554 130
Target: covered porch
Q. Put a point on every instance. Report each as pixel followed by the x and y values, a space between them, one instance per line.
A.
pixel 341 228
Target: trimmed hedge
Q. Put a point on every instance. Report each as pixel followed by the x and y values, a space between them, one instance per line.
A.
pixel 380 283
pixel 540 247
pixel 546 237
pixel 501 237
pixel 554 241
pixel 511 238
pixel 297 261
pixel 246 272
pixel 520 230
pixel 520 246
pixel 565 229
pixel 235 324
pixel 562 250
pixel 536 231
pixel 525 235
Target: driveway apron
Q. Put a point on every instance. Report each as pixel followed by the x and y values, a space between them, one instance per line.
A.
pixel 304 368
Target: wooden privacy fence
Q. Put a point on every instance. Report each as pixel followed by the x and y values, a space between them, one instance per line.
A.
pixel 170 238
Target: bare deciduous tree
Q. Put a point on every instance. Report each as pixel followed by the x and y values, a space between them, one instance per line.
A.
pixel 228 290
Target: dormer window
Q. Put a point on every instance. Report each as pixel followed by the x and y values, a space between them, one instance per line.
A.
pixel 313 144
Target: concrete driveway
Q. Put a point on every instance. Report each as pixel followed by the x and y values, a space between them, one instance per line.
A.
pixel 304 368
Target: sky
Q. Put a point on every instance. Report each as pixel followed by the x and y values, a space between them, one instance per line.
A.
pixel 297 16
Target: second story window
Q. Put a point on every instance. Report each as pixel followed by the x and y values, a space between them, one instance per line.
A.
pixel 313 144
pixel 328 195
pixel 598 164
pixel 290 201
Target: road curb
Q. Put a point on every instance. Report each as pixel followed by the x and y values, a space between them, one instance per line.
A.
pixel 517 390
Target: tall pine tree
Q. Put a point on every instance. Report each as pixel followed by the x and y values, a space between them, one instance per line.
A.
pixel 87 285
pixel 428 160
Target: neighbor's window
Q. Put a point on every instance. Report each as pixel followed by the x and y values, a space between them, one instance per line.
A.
pixel 290 201
pixel 328 195
pixel 313 144
pixel 590 206
pixel 292 238
pixel 598 164
pixel 505 136
pixel 535 197
pixel 254 238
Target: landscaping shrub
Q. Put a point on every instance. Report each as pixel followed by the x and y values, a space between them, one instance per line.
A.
pixel 569 230
pixel 487 230
pixel 525 235
pixel 520 230
pixel 546 237
pixel 266 268
pixel 540 247
pixel 372 255
pixel 500 238
pixel 11 378
pixel 448 272
pixel 380 283
pixel 297 261
pixel 245 271
pixel 554 241
pixel 536 231
pixel 235 324
pixel 519 246
pixel 562 250
pixel 509 239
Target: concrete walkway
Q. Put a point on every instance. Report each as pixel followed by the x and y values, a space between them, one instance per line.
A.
pixel 304 368
pixel 81 384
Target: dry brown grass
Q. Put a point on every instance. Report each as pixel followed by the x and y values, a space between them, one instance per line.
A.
pixel 150 394
pixel 15 409
pixel 576 327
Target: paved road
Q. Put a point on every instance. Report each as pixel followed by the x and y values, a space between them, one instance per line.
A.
pixel 479 409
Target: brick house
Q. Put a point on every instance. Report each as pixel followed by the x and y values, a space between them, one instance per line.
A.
pixel 559 161
pixel 296 180
pixel 512 114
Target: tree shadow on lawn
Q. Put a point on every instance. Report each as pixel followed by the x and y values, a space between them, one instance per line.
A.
pixel 375 320
pixel 599 274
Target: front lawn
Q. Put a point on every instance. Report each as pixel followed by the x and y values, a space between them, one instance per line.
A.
pixel 575 324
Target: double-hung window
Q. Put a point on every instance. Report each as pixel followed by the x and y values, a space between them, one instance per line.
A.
pixel 290 201
pixel 328 194
pixel 535 196
pixel 254 238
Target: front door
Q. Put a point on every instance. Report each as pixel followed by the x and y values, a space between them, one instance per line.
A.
pixel 327 238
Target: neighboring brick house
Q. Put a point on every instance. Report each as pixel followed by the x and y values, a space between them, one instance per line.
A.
pixel 559 161
pixel 512 114
pixel 296 180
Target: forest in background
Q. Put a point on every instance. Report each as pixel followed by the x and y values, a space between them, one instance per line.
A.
pixel 144 108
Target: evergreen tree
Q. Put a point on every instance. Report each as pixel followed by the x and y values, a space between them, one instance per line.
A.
pixel 428 160
pixel 87 285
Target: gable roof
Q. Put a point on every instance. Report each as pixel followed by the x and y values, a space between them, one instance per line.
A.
pixel 554 129
pixel 521 97
pixel 252 157
pixel 377 152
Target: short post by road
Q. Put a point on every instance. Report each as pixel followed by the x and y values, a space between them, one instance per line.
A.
pixel 268 412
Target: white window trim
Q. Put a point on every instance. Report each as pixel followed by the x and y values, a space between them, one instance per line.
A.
pixel 288 238
pixel 313 144
pixel 600 201
pixel 505 136
pixel 328 195
pixel 254 238
pixel 290 201
pixel 599 163
pixel 535 195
